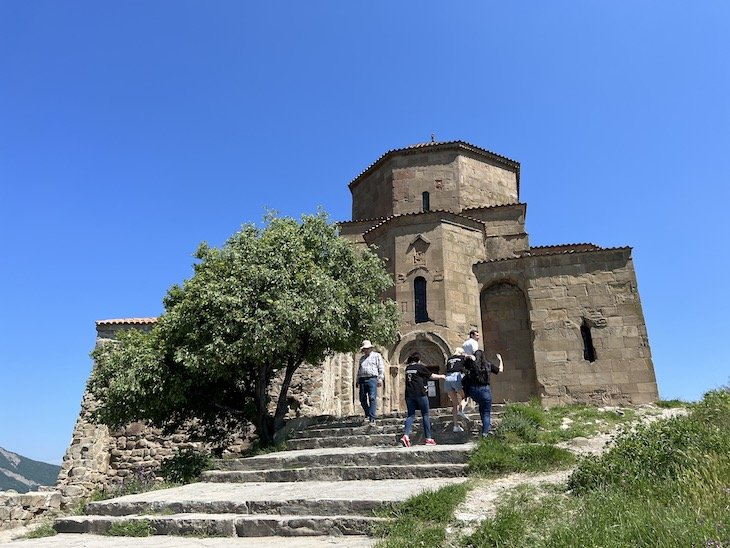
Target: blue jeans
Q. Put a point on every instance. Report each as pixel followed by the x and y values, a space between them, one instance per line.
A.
pixel 418 403
pixel 483 396
pixel 369 396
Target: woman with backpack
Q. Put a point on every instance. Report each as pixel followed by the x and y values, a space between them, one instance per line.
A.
pixel 477 385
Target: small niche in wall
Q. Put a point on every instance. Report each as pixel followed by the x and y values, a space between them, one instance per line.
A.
pixel 589 351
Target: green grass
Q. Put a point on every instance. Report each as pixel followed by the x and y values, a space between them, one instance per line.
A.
pixel 495 456
pixel 663 485
pixel 421 520
pixel 671 404
pixel 581 421
pixel 131 528
pixel 43 530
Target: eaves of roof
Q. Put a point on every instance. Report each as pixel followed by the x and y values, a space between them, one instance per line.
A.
pixel 127 321
pixel 546 252
pixel 456 145
pixel 476 223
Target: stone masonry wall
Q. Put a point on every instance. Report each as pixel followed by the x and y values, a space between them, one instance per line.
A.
pixel 567 291
pixel 20 509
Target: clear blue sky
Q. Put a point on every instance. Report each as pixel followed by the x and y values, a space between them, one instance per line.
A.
pixel 131 131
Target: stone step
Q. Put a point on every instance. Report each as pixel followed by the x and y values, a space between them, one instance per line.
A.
pixel 384 440
pixel 338 473
pixel 382 456
pixel 360 430
pixel 292 498
pixel 294 507
pixel 227 525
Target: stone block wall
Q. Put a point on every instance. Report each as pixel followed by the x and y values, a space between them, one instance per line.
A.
pixel 571 292
pixel 484 183
pixel 20 509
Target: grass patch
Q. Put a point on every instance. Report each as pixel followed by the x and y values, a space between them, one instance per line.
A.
pixel 131 528
pixel 663 485
pixel 573 421
pixel 420 520
pixel 43 530
pixel 671 404
pixel 495 456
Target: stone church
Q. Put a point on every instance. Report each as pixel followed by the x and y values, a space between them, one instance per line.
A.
pixel 446 218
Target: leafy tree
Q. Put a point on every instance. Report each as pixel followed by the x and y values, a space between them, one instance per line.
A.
pixel 271 298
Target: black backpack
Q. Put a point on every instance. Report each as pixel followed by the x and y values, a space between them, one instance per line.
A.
pixel 479 369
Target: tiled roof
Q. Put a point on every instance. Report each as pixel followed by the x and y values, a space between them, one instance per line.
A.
pixel 561 248
pixel 492 206
pixel 446 144
pixel 414 213
pixel 564 249
pixel 360 220
pixel 127 321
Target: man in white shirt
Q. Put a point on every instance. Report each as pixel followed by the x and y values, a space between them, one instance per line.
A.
pixel 471 345
pixel 370 376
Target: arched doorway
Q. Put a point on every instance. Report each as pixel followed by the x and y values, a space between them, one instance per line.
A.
pixel 506 329
pixel 432 356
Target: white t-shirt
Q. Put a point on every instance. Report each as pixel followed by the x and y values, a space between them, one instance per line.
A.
pixel 470 346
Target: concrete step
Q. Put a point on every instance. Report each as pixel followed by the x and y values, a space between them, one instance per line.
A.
pixel 382 456
pixel 227 525
pixel 339 473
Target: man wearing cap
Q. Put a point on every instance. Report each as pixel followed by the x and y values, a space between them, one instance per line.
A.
pixel 370 375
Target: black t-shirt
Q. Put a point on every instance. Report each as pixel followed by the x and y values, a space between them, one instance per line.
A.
pixel 455 364
pixel 417 376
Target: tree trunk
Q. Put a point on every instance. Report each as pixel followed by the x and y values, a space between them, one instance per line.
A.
pixel 264 422
pixel 282 405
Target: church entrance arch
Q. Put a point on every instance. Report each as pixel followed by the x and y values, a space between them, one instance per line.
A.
pixel 506 329
pixel 433 351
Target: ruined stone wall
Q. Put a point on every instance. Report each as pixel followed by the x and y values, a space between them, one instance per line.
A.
pixel 20 509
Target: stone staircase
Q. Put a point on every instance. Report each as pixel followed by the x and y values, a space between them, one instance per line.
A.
pixel 330 481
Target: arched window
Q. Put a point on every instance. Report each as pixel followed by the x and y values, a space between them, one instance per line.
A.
pixel 419 298
pixel 426 201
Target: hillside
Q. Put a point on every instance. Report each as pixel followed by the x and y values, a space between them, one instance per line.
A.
pixel 23 474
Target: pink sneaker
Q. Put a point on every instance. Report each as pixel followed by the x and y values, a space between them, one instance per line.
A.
pixel 430 441
pixel 406 441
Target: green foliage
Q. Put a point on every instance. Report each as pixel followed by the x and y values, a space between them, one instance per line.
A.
pixel 44 530
pixel 494 456
pixel 271 298
pixel 660 451
pixel 420 520
pixel 142 480
pixel 131 528
pixel 671 404
pixel 520 422
pixel 185 466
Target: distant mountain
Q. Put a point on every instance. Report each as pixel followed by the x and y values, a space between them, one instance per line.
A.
pixel 22 474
